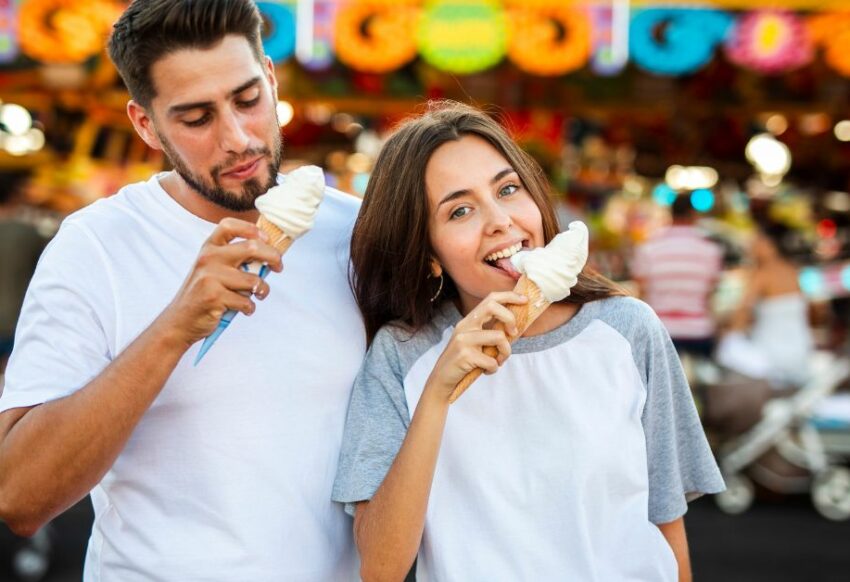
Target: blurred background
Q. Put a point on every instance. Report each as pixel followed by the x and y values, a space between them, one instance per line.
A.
pixel 706 144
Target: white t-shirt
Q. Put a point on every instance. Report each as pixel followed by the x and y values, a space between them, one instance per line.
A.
pixel 228 475
pixel 556 467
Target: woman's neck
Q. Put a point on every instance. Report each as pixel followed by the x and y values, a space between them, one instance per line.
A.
pixel 555 316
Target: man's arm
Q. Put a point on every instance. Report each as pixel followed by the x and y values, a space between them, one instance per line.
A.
pixel 51 455
pixel 676 536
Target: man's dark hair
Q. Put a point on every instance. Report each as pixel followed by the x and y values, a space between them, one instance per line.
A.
pixel 681 209
pixel 151 29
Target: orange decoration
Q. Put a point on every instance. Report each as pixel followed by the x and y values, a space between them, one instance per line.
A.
pixel 549 38
pixel 376 36
pixel 832 31
pixel 65 31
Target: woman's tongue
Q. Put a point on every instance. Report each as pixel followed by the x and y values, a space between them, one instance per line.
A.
pixel 508 267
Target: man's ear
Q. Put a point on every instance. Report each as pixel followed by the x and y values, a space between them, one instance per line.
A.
pixel 143 123
pixel 271 76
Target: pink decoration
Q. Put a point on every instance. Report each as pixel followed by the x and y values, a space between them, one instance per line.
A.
pixel 770 42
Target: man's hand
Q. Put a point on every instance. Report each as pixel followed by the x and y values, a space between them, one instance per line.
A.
pixel 217 283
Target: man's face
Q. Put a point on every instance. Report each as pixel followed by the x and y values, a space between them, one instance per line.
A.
pixel 214 116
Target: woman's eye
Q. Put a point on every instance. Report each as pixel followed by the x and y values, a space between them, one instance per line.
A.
pixel 462 211
pixel 508 189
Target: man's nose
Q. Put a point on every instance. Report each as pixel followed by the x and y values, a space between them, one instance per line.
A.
pixel 232 134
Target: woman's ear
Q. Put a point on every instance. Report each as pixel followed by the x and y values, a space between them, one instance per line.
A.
pixel 436 268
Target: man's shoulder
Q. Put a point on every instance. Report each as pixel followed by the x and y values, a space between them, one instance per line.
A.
pixel 339 208
pixel 110 212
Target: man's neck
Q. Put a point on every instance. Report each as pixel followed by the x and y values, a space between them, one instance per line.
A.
pixel 188 198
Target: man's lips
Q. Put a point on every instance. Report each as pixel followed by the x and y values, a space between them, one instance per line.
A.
pixel 244 170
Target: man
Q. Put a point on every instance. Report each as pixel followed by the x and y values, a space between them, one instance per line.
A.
pixel 677 271
pixel 221 471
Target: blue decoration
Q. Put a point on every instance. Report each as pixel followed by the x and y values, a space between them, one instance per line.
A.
pixel 845 277
pixel 702 200
pixel 279 43
pixel 663 194
pixel 687 41
pixel 812 282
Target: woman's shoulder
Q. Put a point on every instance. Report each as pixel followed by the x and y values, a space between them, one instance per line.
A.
pixel 622 308
pixel 408 342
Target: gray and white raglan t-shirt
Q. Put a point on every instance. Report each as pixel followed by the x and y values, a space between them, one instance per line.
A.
pixel 555 468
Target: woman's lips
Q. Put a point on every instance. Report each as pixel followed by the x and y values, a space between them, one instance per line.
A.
pixel 506 268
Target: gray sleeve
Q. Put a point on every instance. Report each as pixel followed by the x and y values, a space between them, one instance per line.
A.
pixel 681 464
pixel 377 422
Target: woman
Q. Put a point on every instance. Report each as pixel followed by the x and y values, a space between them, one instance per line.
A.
pixel 770 337
pixel 564 462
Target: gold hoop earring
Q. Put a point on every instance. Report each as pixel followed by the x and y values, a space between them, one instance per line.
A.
pixel 439 289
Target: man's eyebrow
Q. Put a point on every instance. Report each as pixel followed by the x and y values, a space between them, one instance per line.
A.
pixel 184 107
pixel 457 194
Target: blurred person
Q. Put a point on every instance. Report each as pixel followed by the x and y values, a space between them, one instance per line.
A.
pixel 221 471
pixel 676 272
pixel 21 245
pixel 576 458
pixel 769 336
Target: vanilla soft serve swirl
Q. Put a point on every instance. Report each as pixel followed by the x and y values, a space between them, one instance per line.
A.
pixel 555 267
pixel 292 206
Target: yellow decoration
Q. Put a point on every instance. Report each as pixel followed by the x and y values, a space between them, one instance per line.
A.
pixel 65 31
pixel 463 36
pixel 549 38
pixel 376 36
pixel 832 31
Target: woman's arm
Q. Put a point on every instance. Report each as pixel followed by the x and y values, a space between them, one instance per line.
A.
pixel 675 534
pixel 741 317
pixel 388 528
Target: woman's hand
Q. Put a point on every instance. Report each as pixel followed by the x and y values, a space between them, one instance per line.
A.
pixel 491 323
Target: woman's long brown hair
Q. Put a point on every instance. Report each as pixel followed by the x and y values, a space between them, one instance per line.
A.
pixel 390 246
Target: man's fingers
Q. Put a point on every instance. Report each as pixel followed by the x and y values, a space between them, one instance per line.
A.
pixel 238 302
pixel 233 228
pixel 241 281
pixel 246 251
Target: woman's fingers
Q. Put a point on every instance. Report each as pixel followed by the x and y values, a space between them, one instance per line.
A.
pixel 492 308
pixel 476 341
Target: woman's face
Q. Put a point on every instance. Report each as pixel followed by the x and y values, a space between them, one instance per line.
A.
pixel 480 214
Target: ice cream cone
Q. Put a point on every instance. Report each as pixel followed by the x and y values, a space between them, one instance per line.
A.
pixel 525 315
pixel 277 238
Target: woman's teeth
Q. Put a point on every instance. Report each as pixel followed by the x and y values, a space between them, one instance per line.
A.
pixel 504 253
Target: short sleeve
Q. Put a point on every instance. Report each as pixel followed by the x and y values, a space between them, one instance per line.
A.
pixel 376 424
pixel 681 464
pixel 61 342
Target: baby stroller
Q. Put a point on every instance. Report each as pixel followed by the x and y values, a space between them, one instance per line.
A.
pixel 786 449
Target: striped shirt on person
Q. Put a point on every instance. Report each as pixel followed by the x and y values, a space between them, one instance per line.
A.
pixel 678 269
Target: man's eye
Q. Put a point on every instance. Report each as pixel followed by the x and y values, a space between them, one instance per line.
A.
pixel 197 122
pixel 249 103
pixel 462 211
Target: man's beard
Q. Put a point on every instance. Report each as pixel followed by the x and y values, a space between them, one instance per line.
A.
pixel 213 191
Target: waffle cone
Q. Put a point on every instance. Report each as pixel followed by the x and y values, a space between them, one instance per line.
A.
pixel 525 315
pixel 277 238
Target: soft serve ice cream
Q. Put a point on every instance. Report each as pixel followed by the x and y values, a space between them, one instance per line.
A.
pixel 555 267
pixel 292 206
